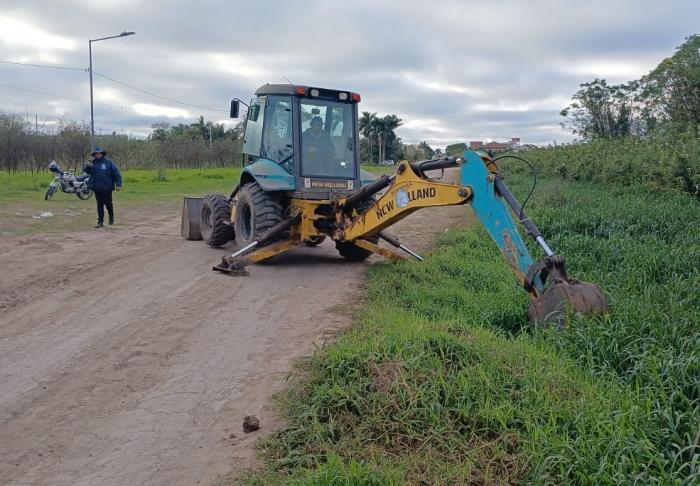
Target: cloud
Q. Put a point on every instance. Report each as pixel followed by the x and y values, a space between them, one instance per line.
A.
pixel 452 70
pixel 147 109
pixel 15 32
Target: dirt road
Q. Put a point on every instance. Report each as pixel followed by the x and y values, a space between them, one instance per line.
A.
pixel 125 360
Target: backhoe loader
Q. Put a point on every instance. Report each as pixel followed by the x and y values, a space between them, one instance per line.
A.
pixel 302 183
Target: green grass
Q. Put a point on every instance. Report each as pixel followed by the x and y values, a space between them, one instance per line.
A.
pixel 22 198
pixel 670 160
pixel 443 381
pixel 163 189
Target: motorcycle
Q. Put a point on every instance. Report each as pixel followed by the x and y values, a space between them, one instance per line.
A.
pixel 68 182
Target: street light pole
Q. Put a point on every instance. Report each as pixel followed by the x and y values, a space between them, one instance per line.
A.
pixel 92 110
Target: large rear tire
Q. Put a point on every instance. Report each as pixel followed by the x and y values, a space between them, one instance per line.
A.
pixel 256 212
pixel 215 220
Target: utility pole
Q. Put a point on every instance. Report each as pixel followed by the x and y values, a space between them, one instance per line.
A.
pixel 92 111
pixel 209 135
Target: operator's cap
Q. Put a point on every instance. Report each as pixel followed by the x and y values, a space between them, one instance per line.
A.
pixel 98 150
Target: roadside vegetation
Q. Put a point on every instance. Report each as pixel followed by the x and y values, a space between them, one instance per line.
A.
pixel 444 381
pixel 669 160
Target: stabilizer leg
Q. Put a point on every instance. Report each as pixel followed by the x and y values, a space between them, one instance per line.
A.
pixel 374 248
pixel 235 265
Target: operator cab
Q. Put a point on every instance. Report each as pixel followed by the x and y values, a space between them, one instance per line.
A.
pixel 311 133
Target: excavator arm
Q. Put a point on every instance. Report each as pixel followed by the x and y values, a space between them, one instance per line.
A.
pixel 361 217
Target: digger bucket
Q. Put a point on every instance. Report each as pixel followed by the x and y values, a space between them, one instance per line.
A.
pixel 189 226
pixel 563 296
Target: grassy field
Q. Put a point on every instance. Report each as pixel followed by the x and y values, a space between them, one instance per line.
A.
pixel 22 196
pixel 443 381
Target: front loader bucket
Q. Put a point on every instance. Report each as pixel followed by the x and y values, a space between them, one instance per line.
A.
pixel 189 226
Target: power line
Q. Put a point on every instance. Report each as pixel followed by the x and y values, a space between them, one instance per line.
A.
pixel 57 96
pixel 66 68
pixel 116 81
pixel 157 95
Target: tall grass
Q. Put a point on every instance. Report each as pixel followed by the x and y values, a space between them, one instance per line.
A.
pixel 443 380
pixel 670 160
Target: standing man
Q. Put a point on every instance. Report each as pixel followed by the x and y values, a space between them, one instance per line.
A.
pixel 104 178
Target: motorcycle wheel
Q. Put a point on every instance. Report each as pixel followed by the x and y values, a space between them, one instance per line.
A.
pixel 84 195
pixel 49 193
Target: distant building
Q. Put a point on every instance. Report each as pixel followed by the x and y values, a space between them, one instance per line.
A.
pixel 514 144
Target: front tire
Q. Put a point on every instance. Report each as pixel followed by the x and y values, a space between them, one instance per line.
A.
pixel 49 193
pixel 215 220
pixel 256 212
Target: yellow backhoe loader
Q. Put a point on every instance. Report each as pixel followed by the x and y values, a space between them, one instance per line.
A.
pixel 302 183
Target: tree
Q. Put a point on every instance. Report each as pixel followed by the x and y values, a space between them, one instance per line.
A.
pixel 671 92
pixel 388 124
pixel 456 149
pixel 160 131
pixel 601 111
pixel 383 130
pixel 74 139
pixel 426 150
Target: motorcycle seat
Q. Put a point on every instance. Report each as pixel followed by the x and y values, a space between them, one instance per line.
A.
pixel 82 177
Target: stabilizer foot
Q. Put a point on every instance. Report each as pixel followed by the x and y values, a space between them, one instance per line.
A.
pixel 233 268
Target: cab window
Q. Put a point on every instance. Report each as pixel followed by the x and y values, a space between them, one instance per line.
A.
pixel 277 143
pixel 327 139
pixel 254 127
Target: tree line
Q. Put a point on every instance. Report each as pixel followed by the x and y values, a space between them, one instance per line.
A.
pixel 26 146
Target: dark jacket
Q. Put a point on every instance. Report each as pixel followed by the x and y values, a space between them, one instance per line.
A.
pixel 318 153
pixel 104 175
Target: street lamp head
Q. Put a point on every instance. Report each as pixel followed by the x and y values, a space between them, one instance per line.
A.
pixel 125 33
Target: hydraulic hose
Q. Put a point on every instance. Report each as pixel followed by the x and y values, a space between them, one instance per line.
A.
pixel 434 164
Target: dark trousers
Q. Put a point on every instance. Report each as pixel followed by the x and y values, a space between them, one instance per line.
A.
pixel 104 198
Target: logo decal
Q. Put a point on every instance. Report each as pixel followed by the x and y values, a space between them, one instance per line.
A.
pixel 402 198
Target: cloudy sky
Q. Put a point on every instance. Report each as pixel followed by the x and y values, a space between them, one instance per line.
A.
pixel 454 71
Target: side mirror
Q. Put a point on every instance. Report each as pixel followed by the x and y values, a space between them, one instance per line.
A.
pixel 234 109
